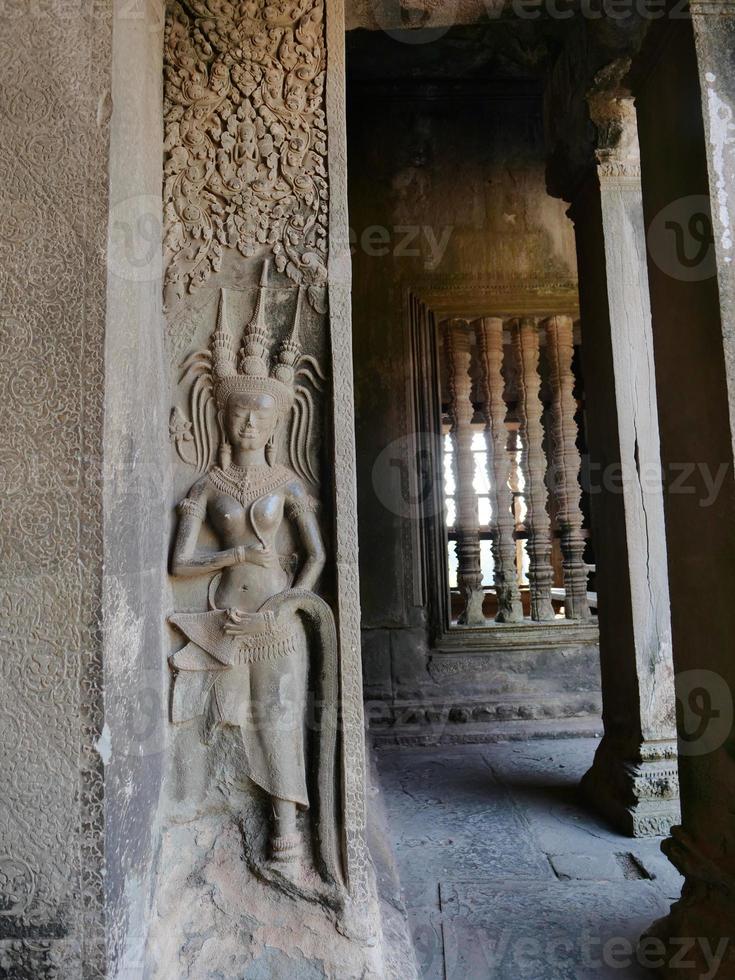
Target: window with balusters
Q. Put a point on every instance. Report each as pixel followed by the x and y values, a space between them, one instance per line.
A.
pixel 517 545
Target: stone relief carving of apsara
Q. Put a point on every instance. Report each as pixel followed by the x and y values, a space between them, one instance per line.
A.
pixel 246 663
pixel 245 139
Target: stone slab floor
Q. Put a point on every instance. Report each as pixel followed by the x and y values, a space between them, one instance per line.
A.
pixel 505 873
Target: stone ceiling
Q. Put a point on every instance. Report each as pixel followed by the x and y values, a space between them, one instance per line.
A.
pixel 507 49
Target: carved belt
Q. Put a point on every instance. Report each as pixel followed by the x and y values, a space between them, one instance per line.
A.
pixel 261 637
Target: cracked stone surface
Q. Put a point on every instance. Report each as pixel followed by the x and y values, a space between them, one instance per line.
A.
pixel 507 875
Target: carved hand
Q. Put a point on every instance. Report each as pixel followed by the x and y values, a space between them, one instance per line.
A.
pixel 256 555
pixel 238 623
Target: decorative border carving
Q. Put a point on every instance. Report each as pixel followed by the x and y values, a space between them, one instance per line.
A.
pixel 619 170
pixel 472 298
pixel 345 478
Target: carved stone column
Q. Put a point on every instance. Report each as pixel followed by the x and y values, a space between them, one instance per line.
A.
pixel 469 570
pixel 489 334
pixel 688 176
pixel 525 340
pixel 565 463
pixel 634 777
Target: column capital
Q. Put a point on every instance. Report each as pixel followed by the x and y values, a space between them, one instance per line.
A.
pixel 616 171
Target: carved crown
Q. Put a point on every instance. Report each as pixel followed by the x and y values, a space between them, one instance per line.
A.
pixel 251 370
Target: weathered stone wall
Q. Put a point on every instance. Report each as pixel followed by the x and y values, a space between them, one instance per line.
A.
pixel 55 91
pixel 447 196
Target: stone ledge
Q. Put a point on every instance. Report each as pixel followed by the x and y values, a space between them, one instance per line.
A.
pixel 505 731
pixel 484 641
pixel 524 706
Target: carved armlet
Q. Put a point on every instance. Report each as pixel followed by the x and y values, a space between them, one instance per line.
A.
pixel 189 507
pixel 296 508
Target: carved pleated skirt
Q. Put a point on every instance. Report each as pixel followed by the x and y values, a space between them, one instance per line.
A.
pixel 266 699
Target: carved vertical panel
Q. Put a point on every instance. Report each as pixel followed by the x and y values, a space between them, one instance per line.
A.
pixel 541 574
pixel 469 573
pixel 248 102
pixel 345 474
pixel 566 464
pixel 489 334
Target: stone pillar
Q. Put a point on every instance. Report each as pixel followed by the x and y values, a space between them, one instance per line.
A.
pixel 685 99
pixel 525 340
pixel 713 22
pixel 633 779
pixel 489 334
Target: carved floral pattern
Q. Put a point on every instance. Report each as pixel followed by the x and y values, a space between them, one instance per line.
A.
pixel 245 140
pixel 17 884
pixel 53 285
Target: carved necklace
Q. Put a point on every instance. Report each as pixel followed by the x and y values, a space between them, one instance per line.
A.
pixel 247 484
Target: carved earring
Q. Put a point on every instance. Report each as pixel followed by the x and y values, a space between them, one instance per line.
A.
pixel 225 450
pixel 271 447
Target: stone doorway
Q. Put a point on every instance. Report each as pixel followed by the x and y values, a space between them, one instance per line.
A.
pixel 466 284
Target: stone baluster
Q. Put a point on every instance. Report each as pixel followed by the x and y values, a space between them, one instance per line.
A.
pixel 566 463
pixel 469 570
pixel 533 462
pixel 518 498
pixel 489 334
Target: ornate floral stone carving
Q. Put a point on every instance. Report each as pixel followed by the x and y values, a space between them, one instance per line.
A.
pixel 245 140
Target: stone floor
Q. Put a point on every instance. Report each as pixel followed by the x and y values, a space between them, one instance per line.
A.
pixel 506 875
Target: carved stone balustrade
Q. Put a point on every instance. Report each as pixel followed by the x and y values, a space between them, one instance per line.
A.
pixel 487 367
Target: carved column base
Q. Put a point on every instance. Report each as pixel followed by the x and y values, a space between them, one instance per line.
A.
pixel 472 614
pixel 698 934
pixel 638 796
pixel 510 607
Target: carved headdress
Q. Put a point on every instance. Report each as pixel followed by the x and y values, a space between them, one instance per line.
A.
pixel 223 370
pixel 249 370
